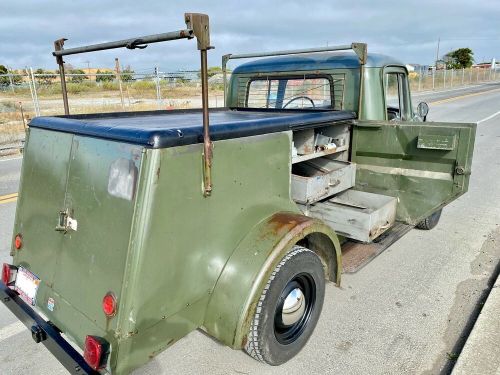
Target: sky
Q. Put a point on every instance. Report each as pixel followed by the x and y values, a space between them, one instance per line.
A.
pixel 407 30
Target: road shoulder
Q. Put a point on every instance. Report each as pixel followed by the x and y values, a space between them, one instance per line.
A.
pixel 481 353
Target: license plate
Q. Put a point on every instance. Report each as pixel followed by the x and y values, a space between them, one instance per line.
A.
pixel 26 285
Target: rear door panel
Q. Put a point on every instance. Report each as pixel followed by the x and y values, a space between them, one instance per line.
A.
pixel 425 165
pixel 62 171
pixel 43 186
pixel 94 254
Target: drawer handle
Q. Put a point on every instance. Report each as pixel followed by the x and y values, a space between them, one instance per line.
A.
pixel 333 183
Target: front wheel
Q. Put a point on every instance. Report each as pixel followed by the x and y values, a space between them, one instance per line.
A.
pixel 431 221
pixel 288 308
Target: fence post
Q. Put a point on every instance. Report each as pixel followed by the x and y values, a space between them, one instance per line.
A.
pixel 452 76
pixel 433 77
pixel 420 79
pixel 119 77
pixel 10 80
pixel 37 108
pixel 444 78
pixel 470 75
pixel 463 75
pixel 31 89
pixel 158 90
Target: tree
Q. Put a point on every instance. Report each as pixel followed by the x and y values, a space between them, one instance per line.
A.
pixel 459 58
pixel 44 77
pixel 127 74
pixel 212 71
pixel 78 78
pixel 5 80
pixel 108 77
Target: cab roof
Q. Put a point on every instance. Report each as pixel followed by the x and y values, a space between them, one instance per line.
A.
pixel 314 61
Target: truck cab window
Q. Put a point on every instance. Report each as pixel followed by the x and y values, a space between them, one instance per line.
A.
pixel 396 96
pixel 290 93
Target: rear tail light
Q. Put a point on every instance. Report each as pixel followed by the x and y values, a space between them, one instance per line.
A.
pixel 18 242
pixel 9 273
pixel 96 352
pixel 109 304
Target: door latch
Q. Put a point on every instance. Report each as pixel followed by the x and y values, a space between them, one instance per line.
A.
pixel 461 171
pixel 66 222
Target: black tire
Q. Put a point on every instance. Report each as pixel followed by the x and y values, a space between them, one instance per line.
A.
pixel 275 335
pixel 431 221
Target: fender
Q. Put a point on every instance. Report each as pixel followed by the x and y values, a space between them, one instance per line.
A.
pixel 232 304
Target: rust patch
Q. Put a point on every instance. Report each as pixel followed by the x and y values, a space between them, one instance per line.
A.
pixel 356 255
pixel 286 220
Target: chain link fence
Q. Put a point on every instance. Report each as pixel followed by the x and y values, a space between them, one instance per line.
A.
pixel 442 79
pixel 28 94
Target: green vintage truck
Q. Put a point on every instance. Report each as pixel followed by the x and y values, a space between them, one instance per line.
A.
pixel 133 229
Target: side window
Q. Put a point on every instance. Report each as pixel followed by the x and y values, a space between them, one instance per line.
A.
pixel 396 96
pixel 290 93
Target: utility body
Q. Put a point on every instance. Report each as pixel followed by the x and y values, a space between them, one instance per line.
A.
pixel 134 229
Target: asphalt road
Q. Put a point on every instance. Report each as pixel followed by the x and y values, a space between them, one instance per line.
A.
pixel 406 312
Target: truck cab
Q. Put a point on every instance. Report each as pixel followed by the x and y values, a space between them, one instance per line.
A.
pixel 318 157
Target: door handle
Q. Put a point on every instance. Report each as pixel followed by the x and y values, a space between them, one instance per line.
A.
pixel 66 222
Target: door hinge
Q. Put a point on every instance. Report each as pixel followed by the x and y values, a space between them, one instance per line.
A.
pixel 66 222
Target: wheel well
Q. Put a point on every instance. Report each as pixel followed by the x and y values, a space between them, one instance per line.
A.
pixel 323 246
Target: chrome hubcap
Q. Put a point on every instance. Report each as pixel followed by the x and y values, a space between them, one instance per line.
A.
pixel 293 308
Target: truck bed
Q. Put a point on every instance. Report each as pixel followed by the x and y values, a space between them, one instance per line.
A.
pixel 161 129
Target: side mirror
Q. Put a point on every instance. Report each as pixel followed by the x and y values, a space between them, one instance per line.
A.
pixel 423 110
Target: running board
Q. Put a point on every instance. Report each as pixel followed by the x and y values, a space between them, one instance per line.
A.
pixel 356 255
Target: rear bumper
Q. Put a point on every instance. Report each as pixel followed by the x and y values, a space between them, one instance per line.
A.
pixel 44 332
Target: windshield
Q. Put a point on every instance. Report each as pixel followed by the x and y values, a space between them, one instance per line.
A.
pixel 290 93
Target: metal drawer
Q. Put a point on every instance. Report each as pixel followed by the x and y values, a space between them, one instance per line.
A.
pixel 356 214
pixel 320 178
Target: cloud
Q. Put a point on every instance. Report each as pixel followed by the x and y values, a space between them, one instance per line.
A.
pixel 407 30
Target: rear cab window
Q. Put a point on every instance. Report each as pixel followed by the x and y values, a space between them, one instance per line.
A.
pixel 305 92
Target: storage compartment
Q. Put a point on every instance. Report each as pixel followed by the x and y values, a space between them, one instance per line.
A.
pixel 320 178
pixel 326 140
pixel 356 214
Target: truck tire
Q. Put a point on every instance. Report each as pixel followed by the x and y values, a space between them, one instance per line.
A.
pixel 288 308
pixel 431 221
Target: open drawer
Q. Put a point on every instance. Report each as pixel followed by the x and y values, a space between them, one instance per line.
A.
pixel 320 178
pixel 356 214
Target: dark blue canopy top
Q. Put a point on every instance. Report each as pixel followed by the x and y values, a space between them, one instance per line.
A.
pixel 159 129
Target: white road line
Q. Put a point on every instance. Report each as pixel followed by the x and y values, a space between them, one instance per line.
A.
pixel 489 117
pixel 11 330
pixel 11 159
pixel 423 93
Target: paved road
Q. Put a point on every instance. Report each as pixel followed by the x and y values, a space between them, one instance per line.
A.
pixel 403 313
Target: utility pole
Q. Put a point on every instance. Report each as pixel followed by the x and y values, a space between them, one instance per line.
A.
pixel 119 78
pixel 437 52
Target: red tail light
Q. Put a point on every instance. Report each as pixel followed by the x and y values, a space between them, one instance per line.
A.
pixel 96 352
pixel 8 273
pixel 18 242
pixel 109 304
